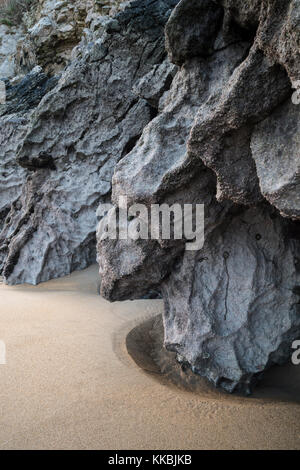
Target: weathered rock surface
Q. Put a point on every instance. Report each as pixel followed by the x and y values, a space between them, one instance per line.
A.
pixel 186 37
pixel 9 38
pixel 232 309
pixel 12 129
pixel 54 28
pixel 275 146
pixel 21 100
pixel 227 135
pixel 77 134
pixel 203 117
pixel 46 32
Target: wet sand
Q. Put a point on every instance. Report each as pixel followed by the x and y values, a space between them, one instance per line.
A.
pixel 81 374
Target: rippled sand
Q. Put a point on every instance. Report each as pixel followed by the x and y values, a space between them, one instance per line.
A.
pixel 70 382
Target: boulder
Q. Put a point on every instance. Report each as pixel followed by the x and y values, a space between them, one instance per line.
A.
pixel 226 136
pixel 167 102
pixel 89 121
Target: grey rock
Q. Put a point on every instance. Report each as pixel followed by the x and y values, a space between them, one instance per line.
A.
pixel 232 307
pixel 21 100
pixel 246 14
pixel 186 36
pixel 9 37
pixel 221 138
pixel 54 28
pixel 152 86
pixel 208 129
pixel 160 161
pixel 130 269
pixel 27 93
pixel 275 146
pixel 12 176
pixel 77 134
pixel 278 34
pixel 237 311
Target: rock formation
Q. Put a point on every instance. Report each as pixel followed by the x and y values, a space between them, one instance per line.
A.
pixel 45 32
pixel 54 28
pixel 187 102
pixel 9 38
pixel 227 135
pixel 21 100
pixel 75 137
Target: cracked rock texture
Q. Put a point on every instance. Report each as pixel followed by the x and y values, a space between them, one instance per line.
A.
pixel 168 101
pixel 226 135
pixel 9 37
pixel 78 132
pixel 48 31
pixel 54 28
pixel 275 146
pixel 21 100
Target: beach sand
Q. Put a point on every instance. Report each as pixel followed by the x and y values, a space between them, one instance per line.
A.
pixel 79 375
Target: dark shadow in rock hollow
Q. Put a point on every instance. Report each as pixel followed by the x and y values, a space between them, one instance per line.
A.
pixel 145 345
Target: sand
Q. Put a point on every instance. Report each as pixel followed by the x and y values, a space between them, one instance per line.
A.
pixel 79 376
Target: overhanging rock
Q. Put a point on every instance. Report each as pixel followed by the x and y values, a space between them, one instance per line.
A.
pixel 231 308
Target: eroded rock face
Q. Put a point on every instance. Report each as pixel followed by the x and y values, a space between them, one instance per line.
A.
pixel 231 308
pixel 275 146
pixel 186 37
pixel 13 128
pixel 57 27
pixel 46 32
pixel 9 37
pixel 203 117
pixel 77 134
pixel 21 100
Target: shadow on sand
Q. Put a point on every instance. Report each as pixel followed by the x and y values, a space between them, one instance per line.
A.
pixel 145 346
